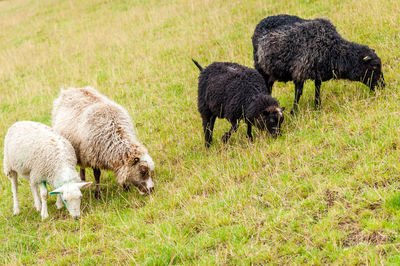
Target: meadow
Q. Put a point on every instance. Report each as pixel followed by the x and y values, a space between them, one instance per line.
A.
pixel 325 192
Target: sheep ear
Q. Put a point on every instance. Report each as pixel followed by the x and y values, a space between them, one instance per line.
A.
pixel 367 58
pixel 283 109
pixel 57 191
pixel 84 184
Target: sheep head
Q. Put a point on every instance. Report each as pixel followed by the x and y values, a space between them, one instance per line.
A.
pixel 271 119
pixel 137 170
pixel 71 196
pixel 264 112
pixel 372 75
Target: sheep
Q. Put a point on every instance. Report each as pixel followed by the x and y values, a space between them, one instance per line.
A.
pixel 288 48
pixel 103 137
pixel 38 154
pixel 235 92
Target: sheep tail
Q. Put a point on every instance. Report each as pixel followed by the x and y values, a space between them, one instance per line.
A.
pixel 197 64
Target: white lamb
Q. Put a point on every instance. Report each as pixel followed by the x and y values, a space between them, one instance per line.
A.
pixel 40 155
pixel 103 137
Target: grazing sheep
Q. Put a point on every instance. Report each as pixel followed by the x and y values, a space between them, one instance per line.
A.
pixel 288 48
pixel 103 137
pixel 38 154
pixel 235 92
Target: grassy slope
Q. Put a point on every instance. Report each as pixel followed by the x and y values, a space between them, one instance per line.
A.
pixel 326 191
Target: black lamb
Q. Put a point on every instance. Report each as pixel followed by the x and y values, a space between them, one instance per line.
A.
pixel 288 48
pixel 235 92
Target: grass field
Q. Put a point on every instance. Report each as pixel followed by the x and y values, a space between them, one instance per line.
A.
pixel 326 191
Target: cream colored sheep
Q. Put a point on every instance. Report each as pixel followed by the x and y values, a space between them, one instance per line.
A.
pixel 38 154
pixel 103 137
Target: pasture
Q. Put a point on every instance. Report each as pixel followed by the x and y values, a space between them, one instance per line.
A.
pixel 325 192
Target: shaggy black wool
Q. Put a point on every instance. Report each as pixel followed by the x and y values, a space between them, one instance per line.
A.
pixel 235 92
pixel 288 48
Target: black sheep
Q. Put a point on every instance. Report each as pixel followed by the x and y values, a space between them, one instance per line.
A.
pixel 288 48
pixel 235 92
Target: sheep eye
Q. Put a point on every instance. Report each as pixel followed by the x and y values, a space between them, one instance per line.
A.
pixel 135 161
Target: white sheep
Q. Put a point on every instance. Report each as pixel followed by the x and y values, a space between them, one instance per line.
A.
pixel 103 137
pixel 40 155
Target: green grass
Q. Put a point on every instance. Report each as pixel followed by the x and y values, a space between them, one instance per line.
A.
pixel 326 191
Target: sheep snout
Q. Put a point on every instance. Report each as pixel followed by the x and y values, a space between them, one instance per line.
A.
pixel 146 187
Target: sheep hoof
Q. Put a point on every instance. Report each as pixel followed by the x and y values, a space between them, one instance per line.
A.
pixel 126 187
pixel 45 216
pixel 97 194
pixel 16 211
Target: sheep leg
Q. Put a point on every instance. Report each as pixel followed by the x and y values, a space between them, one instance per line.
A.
pixel 208 127
pixel 59 202
pixel 43 195
pixel 298 93
pixel 227 135
pixel 82 173
pixel 14 188
pixel 317 94
pixel 36 197
pixel 96 173
pixel 249 135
